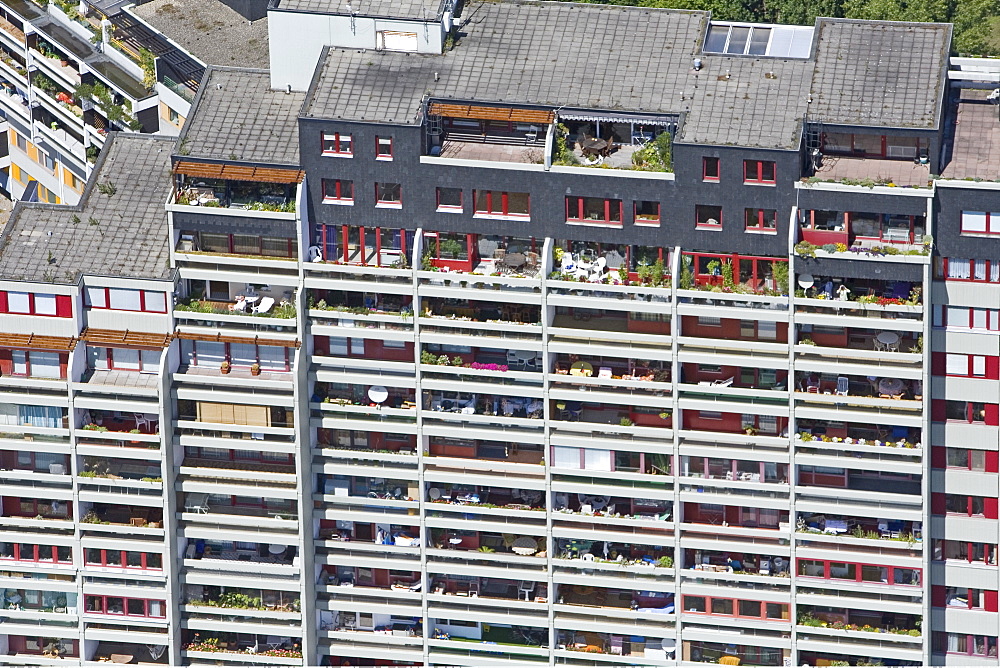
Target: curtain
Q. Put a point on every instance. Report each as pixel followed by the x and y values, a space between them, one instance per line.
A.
pixel 243 354
pixel 150 360
pixel 272 357
pixel 44 364
pixel 124 300
pixel 565 458
pixel 211 354
pixel 959 268
pixel 40 416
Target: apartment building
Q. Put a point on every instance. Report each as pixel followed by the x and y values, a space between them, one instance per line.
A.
pixel 670 341
pixel 70 73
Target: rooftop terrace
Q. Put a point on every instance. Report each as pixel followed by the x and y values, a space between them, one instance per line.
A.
pixel 397 9
pixel 975 148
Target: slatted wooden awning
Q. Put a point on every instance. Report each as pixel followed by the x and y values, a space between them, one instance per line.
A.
pixel 537 116
pixel 127 338
pixel 207 170
pixel 226 338
pixel 37 342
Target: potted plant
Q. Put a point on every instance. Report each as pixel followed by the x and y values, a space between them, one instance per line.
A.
pixel 255 369
pixel 225 367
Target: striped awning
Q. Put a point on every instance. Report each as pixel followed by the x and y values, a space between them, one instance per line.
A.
pixel 611 117
pixel 37 342
pixel 482 112
pixel 209 170
pixel 126 338
pixel 226 338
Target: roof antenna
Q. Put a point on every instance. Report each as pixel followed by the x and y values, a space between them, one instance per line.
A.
pixel 437 76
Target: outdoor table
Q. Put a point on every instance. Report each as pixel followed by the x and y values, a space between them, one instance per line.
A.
pixel 378 394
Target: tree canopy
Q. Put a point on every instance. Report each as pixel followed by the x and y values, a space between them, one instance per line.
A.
pixel 977 22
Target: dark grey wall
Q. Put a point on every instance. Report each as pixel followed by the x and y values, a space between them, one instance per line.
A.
pixel 548 191
pixel 948 207
pixel 234 224
pixel 867 202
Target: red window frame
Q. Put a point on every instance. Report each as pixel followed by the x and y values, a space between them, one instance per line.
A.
pixel 336 148
pixel 103 599
pixel 612 207
pixel 379 154
pixel 504 209
pixel 107 300
pixel 756 220
pixel 340 191
pixel 759 172
pixel 37 553
pixel 64 305
pixel 700 209
pixel 8 356
pixel 110 356
pixel 393 203
pixel 452 208
pixel 653 222
pixel 969 501
pixel 709 600
pixel 970 366
pixel 987 551
pixel 123 563
pixel 859 572
pixel 711 168
pixel 992 223
pixel 970 643
pixel 952 316
pixel 943 264
pixel 971 595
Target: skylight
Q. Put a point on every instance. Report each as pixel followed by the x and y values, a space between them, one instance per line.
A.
pixel 746 39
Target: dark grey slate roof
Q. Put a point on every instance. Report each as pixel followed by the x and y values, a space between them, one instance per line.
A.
pixel 545 53
pixel 237 117
pixel 882 74
pixel 399 9
pixel 124 234
pixel 615 58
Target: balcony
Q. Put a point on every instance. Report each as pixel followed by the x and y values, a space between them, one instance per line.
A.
pixel 871 344
pixel 860 625
pixel 590 642
pixel 492 588
pixel 123 515
pixel 853 234
pixel 487 544
pixel 449 310
pixel 859 294
pixel 243 647
pixel 120 379
pixel 119 469
pixel 468 403
pixel 241 303
pixel 202 508
pixel 359 304
pixel 486 497
pixel 237 555
pixel 624 145
pixel 242 195
pixel 37 601
pixel 895 392
pixel 589 324
pixel 861 531
pixel 871 171
pixel 103 421
pixel 850 435
pixel 628 599
pixel 480 255
pixel 654 560
pixel 521 144
pixel 703 562
pixel 235 599
pixel 141 654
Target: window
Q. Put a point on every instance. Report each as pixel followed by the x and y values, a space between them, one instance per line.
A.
pixel 123 559
pixel 594 210
pixel 119 605
pixel 337 144
pixel 338 191
pixel 21 142
pixel 730 607
pixel 853 572
pixel 244 244
pixel 37 364
pixel 708 217
pixel 965 365
pixel 963 317
pixel 710 169
pixel 173 116
pixel 36 303
pixel 963 504
pixel 46 160
pixel 32 552
pixel 962 269
pixel 449 200
pixel 965 644
pixel 963 597
pixel 762 220
pixel 383 148
pixel 211 354
pixel 647 213
pixel 499 203
pixel 758 171
pixel 389 195
pixel 964 411
pixel 980 222
pixel 963 458
pixel 955 550
pixel 120 299
pixel 72 180
pixel 709 321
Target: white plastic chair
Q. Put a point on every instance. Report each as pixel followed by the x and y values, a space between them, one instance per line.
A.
pixel 842 385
